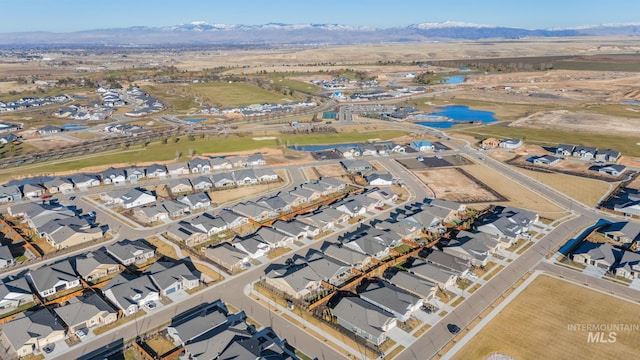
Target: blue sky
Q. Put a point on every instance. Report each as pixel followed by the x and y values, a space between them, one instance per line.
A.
pixel 75 15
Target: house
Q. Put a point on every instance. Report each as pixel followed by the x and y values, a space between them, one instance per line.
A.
pixel 565 150
pixel 327 269
pixel 245 177
pixel 10 193
pixel 238 161
pixel 392 299
pixel 151 214
pixel 252 246
pixel 584 152
pixel 134 174
pixel 69 231
pixel 351 207
pixel 33 191
pixel 326 219
pixel 511 144
pixel 85 312
pixel 49 130
pixel 453 263
pixel 296 229
pixel 506 223
pixel 454 209
pixel 367 149
pixel 209 224
pixel 185 329
pixel 600 255
pixel 227 256
pixel 52 279
pixel 628 266
pixel 95 266
pixel 201 183
pixel 180 186
pixel 199 166
pixel 219 163
pixel 223 180
pixel 186 233
pixel 346 255
pixel 374 247
pixel 14 294
pixel 196 201
pixel 177 169
pixel 128 252
pixel 364 319
pixel 356 165
pixel 6 258
pixel 424 219
pixel 348 151
pixel 58 185
pixel 379 179
pixel 547 160
pixel 232 219
pixel 612 169
pixel 622 232
pixel 305 195
pixel 421 146
pixel 254 211
pixel 135 197
pixel 440 275
pixel 170 278
pixel 273 237
pixel 404 230
pixel 265 175
pixel 414 284
pixel 298 281
pixel 113 176
pixel 30 332
pixel 607 155
pixel 130 294
pixel 156 171
pixel 276 203
pixel 84 181
pixel 474 247
pixel 490 143
pixel 256 159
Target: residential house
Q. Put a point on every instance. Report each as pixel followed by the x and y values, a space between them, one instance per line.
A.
pixel 600 255
pixel 85 312
pixel 232 219
pixel 10 193
pixel 421 145
pixel 404 230
pixel 256 159
pixel 177 169
pixel 151 214
pixel 238 161
pixel 383 196
pixel 113 176
pixel 349 256
pixel 607 155
pixel 351 207
pixel 33 191
pixel 622 232
pixel 196 201
pixel 547 160
pixel 612 169
pixel 425 219
pixel 49 130
pixel 245 177
pixel 273 237
pixel 391 298
pixel 6 257
pixel 135 197
pixel 348 152
pixel 364 319
pixel 296 229
pixel 455 209
pixel 455 264
pixel 356 165
pixel 156 171
pixel 511 144
pixel 379 179
pixel 254 211
pixel 58 185
pixel 414 284
pixel 68 231
pixel 585 152
pixel 30 332
pixel 298 281
pixel 328 269
pixel 565 150
pixel 14 294
pixel 95 266
pixel 440 275
pixel 199 166
pixel 628 266
pixel 170 278
pixel 326 219
pixel 209 224
pixel 185 329
pixel 490 143
pixel 52 279
pixel 374 247
pixel 252 246
pixel 276 203
pixel 227 256
pixel 265 175
pixel 507 223
pixel 219 163
pixel 223 180
pixel 175 208
pixel 180 186
pixel 134 174
pixel 128 252
pixel 474 247
pixel 84 181
pixel 186 233
pixel 130 294
pixel 367 149
pixel 201 183
pixel 305 195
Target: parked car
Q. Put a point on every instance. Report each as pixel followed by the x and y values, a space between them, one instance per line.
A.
pixel 453 328
pixel 80 333
pixel 49 348
pixel 151 305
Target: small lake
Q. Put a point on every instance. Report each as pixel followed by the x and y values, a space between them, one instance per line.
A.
pixel 193 121
pixel 457 114
pixel 454 80
pixel 73 127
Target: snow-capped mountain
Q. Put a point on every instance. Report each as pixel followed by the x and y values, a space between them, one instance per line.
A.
pixel 206 33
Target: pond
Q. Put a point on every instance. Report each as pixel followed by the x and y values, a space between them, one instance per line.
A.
pixel 456 115
pixel 454 80
pixel 193 121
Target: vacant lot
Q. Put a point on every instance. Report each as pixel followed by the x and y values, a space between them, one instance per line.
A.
pixel 587 191
pixel 454 185
pixel 536 325
pixel 333 170
pixel 516 194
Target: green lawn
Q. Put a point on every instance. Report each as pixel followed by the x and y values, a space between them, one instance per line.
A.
pixel 340 137
pixel 49 92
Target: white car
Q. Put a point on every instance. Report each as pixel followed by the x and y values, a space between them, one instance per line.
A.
pixel 472 275
pixel 80 333
pixel 151 305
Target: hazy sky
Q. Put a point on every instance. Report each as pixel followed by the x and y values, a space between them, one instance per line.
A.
pixel 75 15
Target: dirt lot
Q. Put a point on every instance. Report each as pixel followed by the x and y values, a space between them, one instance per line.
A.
pixel 581 121
pixel 454 185
pixel 536 325
pixel 333 170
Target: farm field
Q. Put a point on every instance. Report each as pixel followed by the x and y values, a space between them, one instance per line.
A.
pixel 453 185
pixel 535 325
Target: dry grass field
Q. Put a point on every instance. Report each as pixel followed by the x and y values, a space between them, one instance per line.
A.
pixel 332 170
pixel 452 184
pixel 516 194
pixel 535 325
pixel 586 191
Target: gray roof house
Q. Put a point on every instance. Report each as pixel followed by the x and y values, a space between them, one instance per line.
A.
pixel 95 265
pixel 186 233
pixel 299 281
pixel 113 176
pixel 84 181
pixel 9 193
pixel 612 169
pixel 254 211
pixel 128 252
pixel 51 279
pixel 371 246
pixel 275 203
pixel 177 169
pixel 86 312
pixel 475 247
pixel 199 166
pixel 156 171
pixel 252 246
pixel 245 177
pixel 223 180
pixel 623 232
pixel 565 150
pixel 187 328
pixel 14 293
pixel 232 219
pixel 227 256
pixel 219 163
pixel 414 284
pixel 180 185
pixel 30 332
pixel 134 174
pixel 209 224
pixel 256 159
pixel 547 160
pixel 438 274
pixel 296 229
pixel 58 185
pixel 364 319
pixel 392 299
pixel 356 165
pixel 273 237
pixel 628 266
pixel 170 278
pixel 196 201
pixel 347 256
pixel 6 257
pixel 456 264
pixel 607 155
pixel 600 255
pixel 201 183
pixel 129 295
pixel 585 152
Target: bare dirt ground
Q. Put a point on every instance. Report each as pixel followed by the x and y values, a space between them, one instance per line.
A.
pixel 453 185
pixel 580 121
pixel 332 170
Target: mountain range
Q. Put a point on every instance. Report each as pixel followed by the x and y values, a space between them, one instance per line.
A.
pixel 203 33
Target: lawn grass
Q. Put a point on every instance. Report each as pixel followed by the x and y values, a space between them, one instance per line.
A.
pixel 45 93
pixel 524 248
pixel 237 94
pixel 535 325
pixel 337 138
